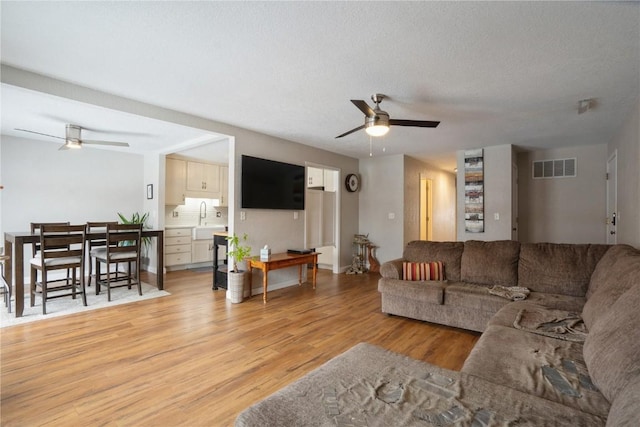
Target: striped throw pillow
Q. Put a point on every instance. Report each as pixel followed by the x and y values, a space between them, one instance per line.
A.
pixel 423 270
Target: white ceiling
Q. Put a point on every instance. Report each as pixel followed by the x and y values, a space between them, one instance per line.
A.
pixel 492 72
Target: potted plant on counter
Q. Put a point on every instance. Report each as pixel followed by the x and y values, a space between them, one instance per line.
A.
pixel 238 252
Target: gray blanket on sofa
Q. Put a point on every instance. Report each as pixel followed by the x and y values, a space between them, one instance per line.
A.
pixel 558 324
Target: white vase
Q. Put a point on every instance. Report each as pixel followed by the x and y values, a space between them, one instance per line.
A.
pixel 235 286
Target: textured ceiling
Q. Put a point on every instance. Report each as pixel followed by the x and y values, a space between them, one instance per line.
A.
pixel 492 72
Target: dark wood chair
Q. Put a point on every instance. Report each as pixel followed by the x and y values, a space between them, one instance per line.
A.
pixel 96 246
pixel 61 247
pixel 123 245
pixel 6 289
pixel 35 253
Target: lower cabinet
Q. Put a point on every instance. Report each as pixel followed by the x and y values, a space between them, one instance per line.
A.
pixel 202 251
pixel 177 246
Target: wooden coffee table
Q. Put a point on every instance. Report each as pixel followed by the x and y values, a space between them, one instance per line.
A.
pixel 281 260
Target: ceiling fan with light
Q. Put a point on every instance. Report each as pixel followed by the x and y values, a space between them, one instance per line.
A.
pixel 377 122
pixel 73 140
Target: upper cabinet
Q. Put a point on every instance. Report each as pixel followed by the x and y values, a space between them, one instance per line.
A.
pixel 176 182
pixel 315 177
pixel 203 179
pixel 224 185
pixel 185 178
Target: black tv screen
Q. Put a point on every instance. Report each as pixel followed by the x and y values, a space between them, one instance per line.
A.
pixel 267 184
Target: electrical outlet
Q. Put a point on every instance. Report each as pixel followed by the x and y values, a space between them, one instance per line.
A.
pixel 243 215
pixel 295 215
pixel 496 216
pixel 218 214
pixel 392 215
pixel 175 214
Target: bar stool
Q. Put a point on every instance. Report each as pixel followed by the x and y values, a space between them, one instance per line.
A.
pixel 123 245
pixel 96 246
pixel 62 247
pixel 6 289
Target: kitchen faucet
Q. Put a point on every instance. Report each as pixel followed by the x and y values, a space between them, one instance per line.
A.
pixel 201 215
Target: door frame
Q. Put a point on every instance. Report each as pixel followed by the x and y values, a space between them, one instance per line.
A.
pixel 612 199
pixel 337 223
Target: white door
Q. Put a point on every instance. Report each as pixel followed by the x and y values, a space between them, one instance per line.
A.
pixel 426 210
pixel 612 198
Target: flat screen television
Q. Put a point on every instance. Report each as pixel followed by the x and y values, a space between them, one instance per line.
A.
pixel 267 184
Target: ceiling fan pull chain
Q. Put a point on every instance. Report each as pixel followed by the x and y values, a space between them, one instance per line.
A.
pixel 370 150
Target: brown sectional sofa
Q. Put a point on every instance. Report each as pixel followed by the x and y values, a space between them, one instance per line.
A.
pixel 568 355
pixel 558 275
pixel 574 341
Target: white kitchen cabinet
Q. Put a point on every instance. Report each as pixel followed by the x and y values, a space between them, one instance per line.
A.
pixel 224 185
pixel 202 251
pixel 315 177
pixel 175 182
pixel 203 180
pixel 177 246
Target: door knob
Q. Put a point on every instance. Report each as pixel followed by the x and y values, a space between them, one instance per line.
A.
pixel 612 232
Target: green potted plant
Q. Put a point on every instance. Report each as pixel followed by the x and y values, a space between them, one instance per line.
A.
pixel 238 252
pixel 136 218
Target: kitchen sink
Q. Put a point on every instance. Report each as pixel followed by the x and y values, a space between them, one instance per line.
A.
pixel 206 232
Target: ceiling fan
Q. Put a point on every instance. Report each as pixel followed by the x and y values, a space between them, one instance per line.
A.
pixel 73 140
pixel 377 122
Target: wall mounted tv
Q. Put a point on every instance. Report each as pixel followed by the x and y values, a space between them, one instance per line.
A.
pixel 267 184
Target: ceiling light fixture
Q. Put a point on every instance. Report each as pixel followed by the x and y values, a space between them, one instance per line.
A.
pixel 377 130
pixel 73 143
pixel 377 125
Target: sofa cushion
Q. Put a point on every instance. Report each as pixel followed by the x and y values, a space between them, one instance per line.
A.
pixel 422 271
pixel 447 252
pixel 541 366
pixel 490 263
pixel 616 272
pixel 426 291
pixel 612 348
pixel 460 294
pixel 558 268
pixel 391 269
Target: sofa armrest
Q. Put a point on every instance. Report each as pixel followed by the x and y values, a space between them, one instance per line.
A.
pixel 392 269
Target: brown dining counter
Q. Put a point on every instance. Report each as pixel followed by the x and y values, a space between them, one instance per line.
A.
pixel 14 243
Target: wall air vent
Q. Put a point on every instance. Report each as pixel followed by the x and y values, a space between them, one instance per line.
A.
pixel 557 168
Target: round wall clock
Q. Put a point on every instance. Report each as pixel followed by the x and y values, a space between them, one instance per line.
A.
pixel 352 182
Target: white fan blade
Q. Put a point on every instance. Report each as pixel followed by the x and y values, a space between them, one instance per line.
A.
pixel 113 143
pixel 39 133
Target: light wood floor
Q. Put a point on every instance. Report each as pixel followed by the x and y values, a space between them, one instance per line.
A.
pixel 194 359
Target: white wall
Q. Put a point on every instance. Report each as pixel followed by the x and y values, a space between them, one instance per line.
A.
pixel 497 194
pixel 154 206
pixel 382 193
pixel 627 143
pixel 564 210
pixel 43 184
